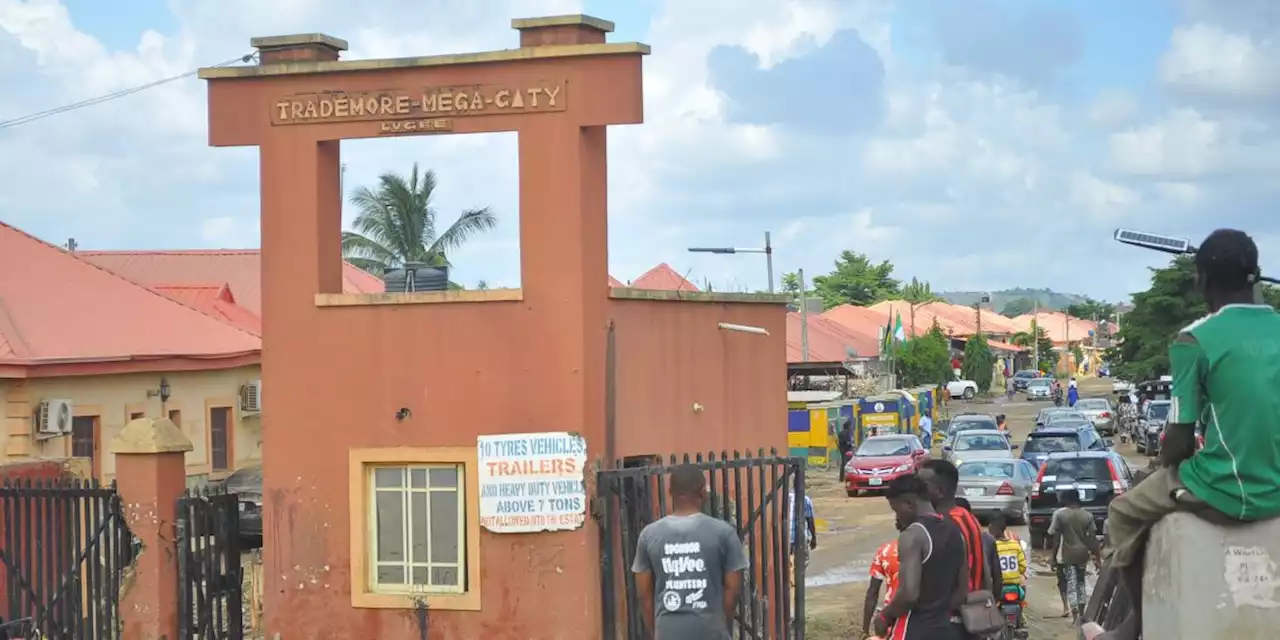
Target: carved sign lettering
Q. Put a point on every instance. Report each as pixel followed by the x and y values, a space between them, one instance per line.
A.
pixel 430 104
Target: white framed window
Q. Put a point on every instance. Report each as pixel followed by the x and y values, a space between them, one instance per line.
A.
pixel 417 515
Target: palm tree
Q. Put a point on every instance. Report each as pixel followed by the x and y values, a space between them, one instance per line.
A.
pixel 396 224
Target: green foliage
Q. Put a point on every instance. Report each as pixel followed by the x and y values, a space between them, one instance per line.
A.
pixel 978 362
pixel 1158 314
pixel 1077 356
pixel 1018 307
pixel 1092 309
pixel 1048 357
pixel 396 224
pixel 917 292
pixel 855 280
pixel 791 285
pixel 925 359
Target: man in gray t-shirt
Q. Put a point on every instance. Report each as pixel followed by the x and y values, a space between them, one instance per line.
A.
pixel 689 566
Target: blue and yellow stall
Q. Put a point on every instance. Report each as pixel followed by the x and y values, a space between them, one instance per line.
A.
pixel 813 429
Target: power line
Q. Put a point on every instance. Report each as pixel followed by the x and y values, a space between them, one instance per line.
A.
pixel 5 124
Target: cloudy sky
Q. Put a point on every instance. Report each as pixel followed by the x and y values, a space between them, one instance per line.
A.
pixel 978 144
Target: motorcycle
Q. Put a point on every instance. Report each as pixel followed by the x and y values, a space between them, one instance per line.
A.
pixel 1011 602
pixel 1057 398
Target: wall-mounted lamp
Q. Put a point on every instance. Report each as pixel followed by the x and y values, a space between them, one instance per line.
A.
pixel 163 392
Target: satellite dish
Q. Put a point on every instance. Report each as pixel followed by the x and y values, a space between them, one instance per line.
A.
pixel 850 352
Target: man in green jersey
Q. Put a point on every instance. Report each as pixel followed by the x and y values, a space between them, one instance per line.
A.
pixel 1226 372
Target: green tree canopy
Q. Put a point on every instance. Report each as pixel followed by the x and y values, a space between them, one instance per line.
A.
pixel 978 362
pixel 1048 357
pixel 791 284
pixel 396 224
pixel 918 292
pixel 1158 314
pixel 855 280
pixel 1018 307
pixel 1092 309
pixel 925 360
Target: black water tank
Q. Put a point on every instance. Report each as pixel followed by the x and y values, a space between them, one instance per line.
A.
pixel 416 277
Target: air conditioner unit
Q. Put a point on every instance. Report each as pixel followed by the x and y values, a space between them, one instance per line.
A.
pixel 53 418
pixel 251 397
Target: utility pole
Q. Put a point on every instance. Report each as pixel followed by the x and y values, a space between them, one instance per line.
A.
pixel 804 312
pixel 768 263
pixel 1035 334
pixel 1066 327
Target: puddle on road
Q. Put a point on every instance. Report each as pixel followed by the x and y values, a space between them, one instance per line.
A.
pixel 854 572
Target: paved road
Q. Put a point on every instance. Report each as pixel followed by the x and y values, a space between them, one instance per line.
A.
pixel 850 530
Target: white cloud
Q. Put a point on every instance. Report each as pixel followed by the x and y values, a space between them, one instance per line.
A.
pixel 966 179
pixel 1112 108
pixel 1209 64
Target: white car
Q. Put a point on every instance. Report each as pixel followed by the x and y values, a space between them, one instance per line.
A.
pixel 1120 385
pixel 966 389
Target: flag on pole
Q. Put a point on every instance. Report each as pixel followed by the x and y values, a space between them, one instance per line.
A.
pixel 898 333
pixel 887 346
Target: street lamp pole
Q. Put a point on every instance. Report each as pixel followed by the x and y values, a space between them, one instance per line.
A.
pixel 767 250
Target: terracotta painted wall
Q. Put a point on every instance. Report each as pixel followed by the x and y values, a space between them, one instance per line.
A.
pixel 673 354
pixel 113 398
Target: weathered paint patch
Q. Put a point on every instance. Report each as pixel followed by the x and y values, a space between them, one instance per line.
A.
pixel 1250 576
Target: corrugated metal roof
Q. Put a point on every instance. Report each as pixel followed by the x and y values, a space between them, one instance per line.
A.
pixel 1058 326
pixel 241 269
pixel 662 278
pixel 829 341
pixel 56 307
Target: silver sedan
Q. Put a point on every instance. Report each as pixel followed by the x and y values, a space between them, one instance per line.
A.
pixel 1100 413
pixel 997 486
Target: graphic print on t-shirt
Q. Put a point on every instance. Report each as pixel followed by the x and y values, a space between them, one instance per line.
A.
pixel 685 573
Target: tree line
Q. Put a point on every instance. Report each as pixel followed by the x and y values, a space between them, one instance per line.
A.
pixel 1159 313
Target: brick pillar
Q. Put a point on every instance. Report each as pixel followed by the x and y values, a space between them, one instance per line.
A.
pixel 151 476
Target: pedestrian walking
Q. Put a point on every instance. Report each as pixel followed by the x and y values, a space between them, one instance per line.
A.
pixel 1074 540
pixel 1009 388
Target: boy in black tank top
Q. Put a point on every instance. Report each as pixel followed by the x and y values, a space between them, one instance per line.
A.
pixel 933 573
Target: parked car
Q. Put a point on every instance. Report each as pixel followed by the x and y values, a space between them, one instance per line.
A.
pixel 1069 420
pixel 1021 378
pixel 982 444
pixel 1042 443
pixel 966 389
pixel 997 486
pixel 1120 386
pixel 1151 426
pixel 880 459
pixel 1098 476
pixel 1100 413
pixel 1045 414
pixel 969 422
pixel 1039 389
pixel 247 485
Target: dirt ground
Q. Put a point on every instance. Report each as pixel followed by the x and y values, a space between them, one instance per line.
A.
pixel 851 529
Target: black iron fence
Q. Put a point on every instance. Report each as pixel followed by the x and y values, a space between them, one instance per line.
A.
pixel 210 581
pixel 64 552
pixel 752 493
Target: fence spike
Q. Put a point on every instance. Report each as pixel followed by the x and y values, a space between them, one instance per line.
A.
pixel 736 454
pixel 686 458
pixel 697 457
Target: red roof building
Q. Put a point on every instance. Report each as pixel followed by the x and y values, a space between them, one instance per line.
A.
pixel 239 269
pixel 61 315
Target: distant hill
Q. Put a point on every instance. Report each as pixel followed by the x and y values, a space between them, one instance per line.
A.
pixel 1049 300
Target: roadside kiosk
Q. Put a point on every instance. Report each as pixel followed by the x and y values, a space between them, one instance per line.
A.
pixel 879 415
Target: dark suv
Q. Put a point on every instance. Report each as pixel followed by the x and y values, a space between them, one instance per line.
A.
pixel 1070 438
pixel 1098 476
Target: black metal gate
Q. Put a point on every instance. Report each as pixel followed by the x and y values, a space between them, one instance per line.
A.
pixel 210 582
pixel 752 493
pixel 64 551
